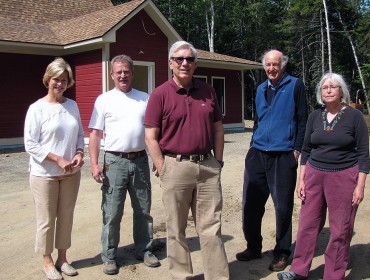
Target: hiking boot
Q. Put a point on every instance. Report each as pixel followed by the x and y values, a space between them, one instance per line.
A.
pixel 279 263
pixel 149 259
pixel 110 267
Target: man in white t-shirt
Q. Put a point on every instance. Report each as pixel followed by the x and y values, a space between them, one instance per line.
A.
pixel 118 119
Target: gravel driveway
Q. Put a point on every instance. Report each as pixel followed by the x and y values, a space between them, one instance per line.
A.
pixel 17 227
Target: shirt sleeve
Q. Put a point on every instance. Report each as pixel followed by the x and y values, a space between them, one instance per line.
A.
pixel 97 116
pixel 32 132
pixel 301 112
pixel 80 139
pixel 153 113
pixel 362 142
pixel 307 146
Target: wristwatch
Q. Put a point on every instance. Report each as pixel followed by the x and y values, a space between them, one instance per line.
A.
pixel 221 162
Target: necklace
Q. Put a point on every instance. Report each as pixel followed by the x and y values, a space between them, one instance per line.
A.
pixel 330 126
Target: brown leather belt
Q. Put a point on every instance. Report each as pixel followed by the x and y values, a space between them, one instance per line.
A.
pixel 131 155
pixel 192 158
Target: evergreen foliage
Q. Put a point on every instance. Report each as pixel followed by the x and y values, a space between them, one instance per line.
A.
pixel 247 28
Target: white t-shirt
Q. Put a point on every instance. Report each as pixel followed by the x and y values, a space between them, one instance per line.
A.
pixel 52 128
pixel 121 116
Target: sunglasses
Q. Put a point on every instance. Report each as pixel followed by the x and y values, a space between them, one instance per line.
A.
pixel 180 59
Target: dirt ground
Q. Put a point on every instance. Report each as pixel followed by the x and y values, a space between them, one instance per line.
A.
pixel 17 227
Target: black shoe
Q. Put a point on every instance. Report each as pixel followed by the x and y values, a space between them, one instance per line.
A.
pixel 279 263
pixel 158 244
pixel 248 255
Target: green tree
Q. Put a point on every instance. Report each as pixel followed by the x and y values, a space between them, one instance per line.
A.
pixel 247 28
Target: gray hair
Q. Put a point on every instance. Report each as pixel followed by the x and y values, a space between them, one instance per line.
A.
pixel 182 45
pixel 336 79
pixel 122 58
pixel 283 61
pixel 57 68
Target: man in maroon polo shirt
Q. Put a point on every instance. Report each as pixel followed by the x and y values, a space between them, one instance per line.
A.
pixel 185 138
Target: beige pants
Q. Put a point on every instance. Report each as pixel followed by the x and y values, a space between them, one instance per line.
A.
pixel 196 186
pixel 55 200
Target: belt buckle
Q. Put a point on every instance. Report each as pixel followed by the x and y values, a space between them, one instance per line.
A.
pixel 131 155
pixel 196 158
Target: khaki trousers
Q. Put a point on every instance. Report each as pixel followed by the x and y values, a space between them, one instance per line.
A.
pixel 55 200
pixel 196 186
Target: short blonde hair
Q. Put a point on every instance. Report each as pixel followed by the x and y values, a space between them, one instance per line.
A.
pixel 57 68
pixel 122 58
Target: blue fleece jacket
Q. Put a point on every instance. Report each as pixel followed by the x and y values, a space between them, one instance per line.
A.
pixel 281 125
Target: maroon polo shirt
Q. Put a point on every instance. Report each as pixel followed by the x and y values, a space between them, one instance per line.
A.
pixel 185 118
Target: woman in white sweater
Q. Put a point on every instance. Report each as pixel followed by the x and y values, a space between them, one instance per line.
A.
pixel 54 139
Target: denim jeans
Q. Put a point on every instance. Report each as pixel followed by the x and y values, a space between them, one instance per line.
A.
pixel 122 175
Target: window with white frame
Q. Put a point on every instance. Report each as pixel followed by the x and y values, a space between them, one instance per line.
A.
pixel 218 84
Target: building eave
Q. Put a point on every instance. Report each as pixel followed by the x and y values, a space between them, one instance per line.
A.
pixel 227 65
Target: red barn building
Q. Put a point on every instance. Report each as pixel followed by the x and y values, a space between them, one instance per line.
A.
pixel 88 34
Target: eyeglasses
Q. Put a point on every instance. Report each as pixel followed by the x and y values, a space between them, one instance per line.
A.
pixel 180 59
pixel 331 87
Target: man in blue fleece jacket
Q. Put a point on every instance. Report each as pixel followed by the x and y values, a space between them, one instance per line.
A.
pixel 272 160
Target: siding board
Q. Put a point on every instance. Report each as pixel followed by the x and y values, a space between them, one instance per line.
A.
pixel 88 77
pixel 233 91
pixel 139 38
pixel 21 85
pixel 147 43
